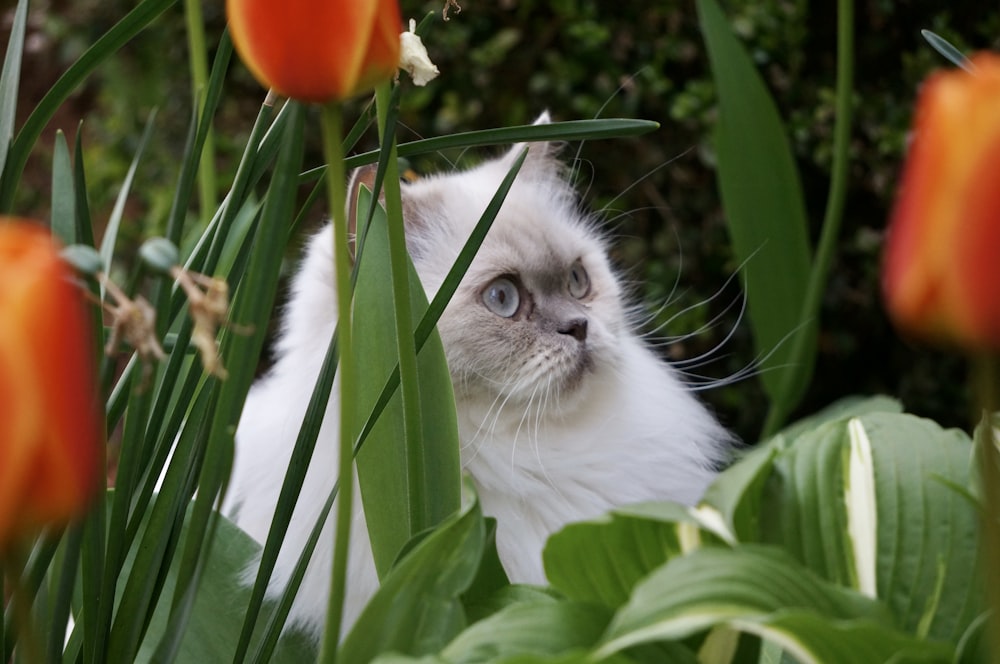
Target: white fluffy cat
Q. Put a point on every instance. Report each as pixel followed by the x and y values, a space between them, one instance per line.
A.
pixel 563 410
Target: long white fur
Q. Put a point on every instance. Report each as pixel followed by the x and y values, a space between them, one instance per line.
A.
pixel 545 444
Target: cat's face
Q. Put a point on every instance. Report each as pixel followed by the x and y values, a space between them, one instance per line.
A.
pixel 536 318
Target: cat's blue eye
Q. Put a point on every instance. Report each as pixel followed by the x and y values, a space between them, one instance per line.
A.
pixel 579 281
pixel 501 297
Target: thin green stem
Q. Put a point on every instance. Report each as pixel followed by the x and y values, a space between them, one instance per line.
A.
pixel 987 374
pixel 419 516
pixel 800 366
pixel 198 57
pixel 337 199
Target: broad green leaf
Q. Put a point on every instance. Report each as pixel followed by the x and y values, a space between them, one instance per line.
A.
pixel 763 202
pixel 853 406
pixel 382 471
pixel 9 82
pixel 803 504
pixel 762 591
pixel 416 611
pixel 893 525
pixel 537 628
pixel 600 561
pixel 63 221
pixel 217 615
pixel 736 493
pixel 927 563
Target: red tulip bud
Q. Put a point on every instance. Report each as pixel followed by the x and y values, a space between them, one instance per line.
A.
pixel 942 263
pixel 317 50
pixel 49 431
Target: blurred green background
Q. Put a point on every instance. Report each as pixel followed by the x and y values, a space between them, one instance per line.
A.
pixel 505 61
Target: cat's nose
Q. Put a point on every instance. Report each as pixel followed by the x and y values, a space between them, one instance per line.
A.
pixel 577 328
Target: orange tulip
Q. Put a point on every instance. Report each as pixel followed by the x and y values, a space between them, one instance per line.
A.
pixel 317 50
pixel 942 264
pixel 49 433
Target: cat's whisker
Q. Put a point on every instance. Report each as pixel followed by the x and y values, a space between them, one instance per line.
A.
pixel 629 80
pixel 697 359
pixel 645 176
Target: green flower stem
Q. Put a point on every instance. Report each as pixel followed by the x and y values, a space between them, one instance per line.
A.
pixel 419 516
pixel 987 374
pixel 801 366
pixel 337 198
pixel 198 57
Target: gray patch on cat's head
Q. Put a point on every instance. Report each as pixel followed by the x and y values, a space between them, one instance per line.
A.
pixel 538 237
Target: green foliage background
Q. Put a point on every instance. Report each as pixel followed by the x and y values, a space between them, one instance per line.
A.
pixel 504 62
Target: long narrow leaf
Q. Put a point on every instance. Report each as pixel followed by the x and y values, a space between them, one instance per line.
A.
pixel 574 130
pixel 9 82
pixel 63 193
pixel 114 221
pixel 382 465
pixel 762 197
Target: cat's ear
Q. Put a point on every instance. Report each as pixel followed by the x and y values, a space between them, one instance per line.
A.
pixel 542 156
pixel 365 175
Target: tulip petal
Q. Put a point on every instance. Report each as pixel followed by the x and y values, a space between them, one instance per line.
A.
pixel 941 275
pixel 313 50
pixel 49 427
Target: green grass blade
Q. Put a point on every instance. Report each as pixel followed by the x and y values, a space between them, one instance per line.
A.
pixel 81 208
pixel 141 579
pixel 109 44
pixel 763 200
pixel 10 77
pixel 60 609
pixel 63 193
pixel 574 130
pixel 114 222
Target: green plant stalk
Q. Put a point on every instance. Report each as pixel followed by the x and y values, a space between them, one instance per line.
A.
pixel 987 374
pixel 417 488
pixel 198 57
pixel 800 367
pixel 337 197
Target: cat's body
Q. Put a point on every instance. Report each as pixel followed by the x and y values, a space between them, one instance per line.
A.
pixel 563 410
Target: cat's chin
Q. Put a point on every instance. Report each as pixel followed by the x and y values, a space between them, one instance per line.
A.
pixel 557 394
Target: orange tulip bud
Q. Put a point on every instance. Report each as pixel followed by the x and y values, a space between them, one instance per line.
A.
pixel 317 50
pixel 942 264
pixel 49 433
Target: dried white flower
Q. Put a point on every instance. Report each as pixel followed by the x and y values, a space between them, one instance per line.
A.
pixel 414 59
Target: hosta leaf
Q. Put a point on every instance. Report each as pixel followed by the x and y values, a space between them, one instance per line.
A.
pixel 871 502
pixel 218 611
pixel 600 561
pixel 763 591
pixel 416 611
